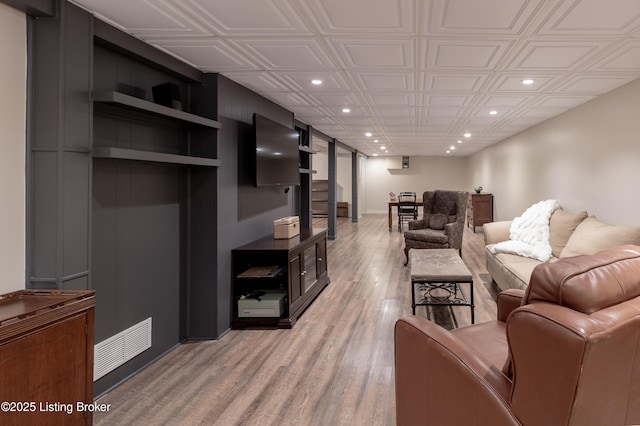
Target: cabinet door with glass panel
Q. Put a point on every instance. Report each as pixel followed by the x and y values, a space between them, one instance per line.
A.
pixel 315 264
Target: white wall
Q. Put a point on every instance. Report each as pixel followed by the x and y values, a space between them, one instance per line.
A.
pixel 344 190
pixel 376 181
pixel 13 66
pixel 343 178
pixel 587 158
pixel 423 174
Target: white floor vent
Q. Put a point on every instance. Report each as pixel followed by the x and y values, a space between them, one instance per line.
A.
pixel 116 350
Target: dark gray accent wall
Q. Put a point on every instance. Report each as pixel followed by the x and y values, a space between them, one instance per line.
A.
pixel 245 213
pixel 60 142
pixel 139 257
pixel 41 8
pixel 153 239
pixel 142 52
pixel 142 234
pixel 154 224
pixel 140 214
pixel 202 295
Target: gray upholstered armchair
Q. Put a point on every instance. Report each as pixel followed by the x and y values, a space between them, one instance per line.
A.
pixel 442 224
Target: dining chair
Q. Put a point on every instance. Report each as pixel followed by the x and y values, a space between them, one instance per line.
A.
pixel 407 208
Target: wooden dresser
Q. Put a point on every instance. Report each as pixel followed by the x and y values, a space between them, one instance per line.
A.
pixel 46 357
pixel 479 210
pixel 342 209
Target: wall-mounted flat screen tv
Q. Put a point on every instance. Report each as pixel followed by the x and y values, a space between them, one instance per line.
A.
pixel 277 154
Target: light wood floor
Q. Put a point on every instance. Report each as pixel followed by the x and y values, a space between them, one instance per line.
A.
pixel 335 367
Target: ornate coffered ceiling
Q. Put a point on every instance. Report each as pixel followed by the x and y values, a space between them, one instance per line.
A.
pixel 417 74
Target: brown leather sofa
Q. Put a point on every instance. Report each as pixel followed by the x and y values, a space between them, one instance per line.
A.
pixel 565 352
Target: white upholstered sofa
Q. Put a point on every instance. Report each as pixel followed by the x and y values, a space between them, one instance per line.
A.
pixel 570 234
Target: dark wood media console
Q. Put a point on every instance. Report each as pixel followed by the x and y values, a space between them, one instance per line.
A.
pixel 296 267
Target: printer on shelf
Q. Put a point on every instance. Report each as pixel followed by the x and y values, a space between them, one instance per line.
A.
pixel 262 304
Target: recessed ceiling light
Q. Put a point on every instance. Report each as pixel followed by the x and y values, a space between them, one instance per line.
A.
pixel 452 148
pixel 368 134
pixel 376 141
pixel 346 109
pixel 467 135
pixel 375 154
pixel 448 152
pixel 493 112
pixel 459 141
pixel 383 148
pixel 316 81
pixel 528 81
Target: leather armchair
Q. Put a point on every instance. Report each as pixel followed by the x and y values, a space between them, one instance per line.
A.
pixel 442 223
pixel 565 352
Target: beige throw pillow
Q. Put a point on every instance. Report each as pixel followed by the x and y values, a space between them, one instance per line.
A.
pixel 561 227
pixel 592 236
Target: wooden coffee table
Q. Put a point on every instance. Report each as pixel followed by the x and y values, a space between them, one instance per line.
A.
pixel 437 276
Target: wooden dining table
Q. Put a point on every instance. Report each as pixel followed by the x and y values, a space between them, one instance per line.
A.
pixel 394 203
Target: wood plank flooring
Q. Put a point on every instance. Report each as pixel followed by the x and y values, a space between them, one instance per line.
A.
pixel 335 367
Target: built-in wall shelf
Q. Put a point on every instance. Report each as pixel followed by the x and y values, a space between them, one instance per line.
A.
pixel 156 169
pixel 157 157
pixel 305 159
pixel 132 102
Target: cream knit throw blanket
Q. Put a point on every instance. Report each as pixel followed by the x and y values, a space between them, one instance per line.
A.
pixel 529 233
